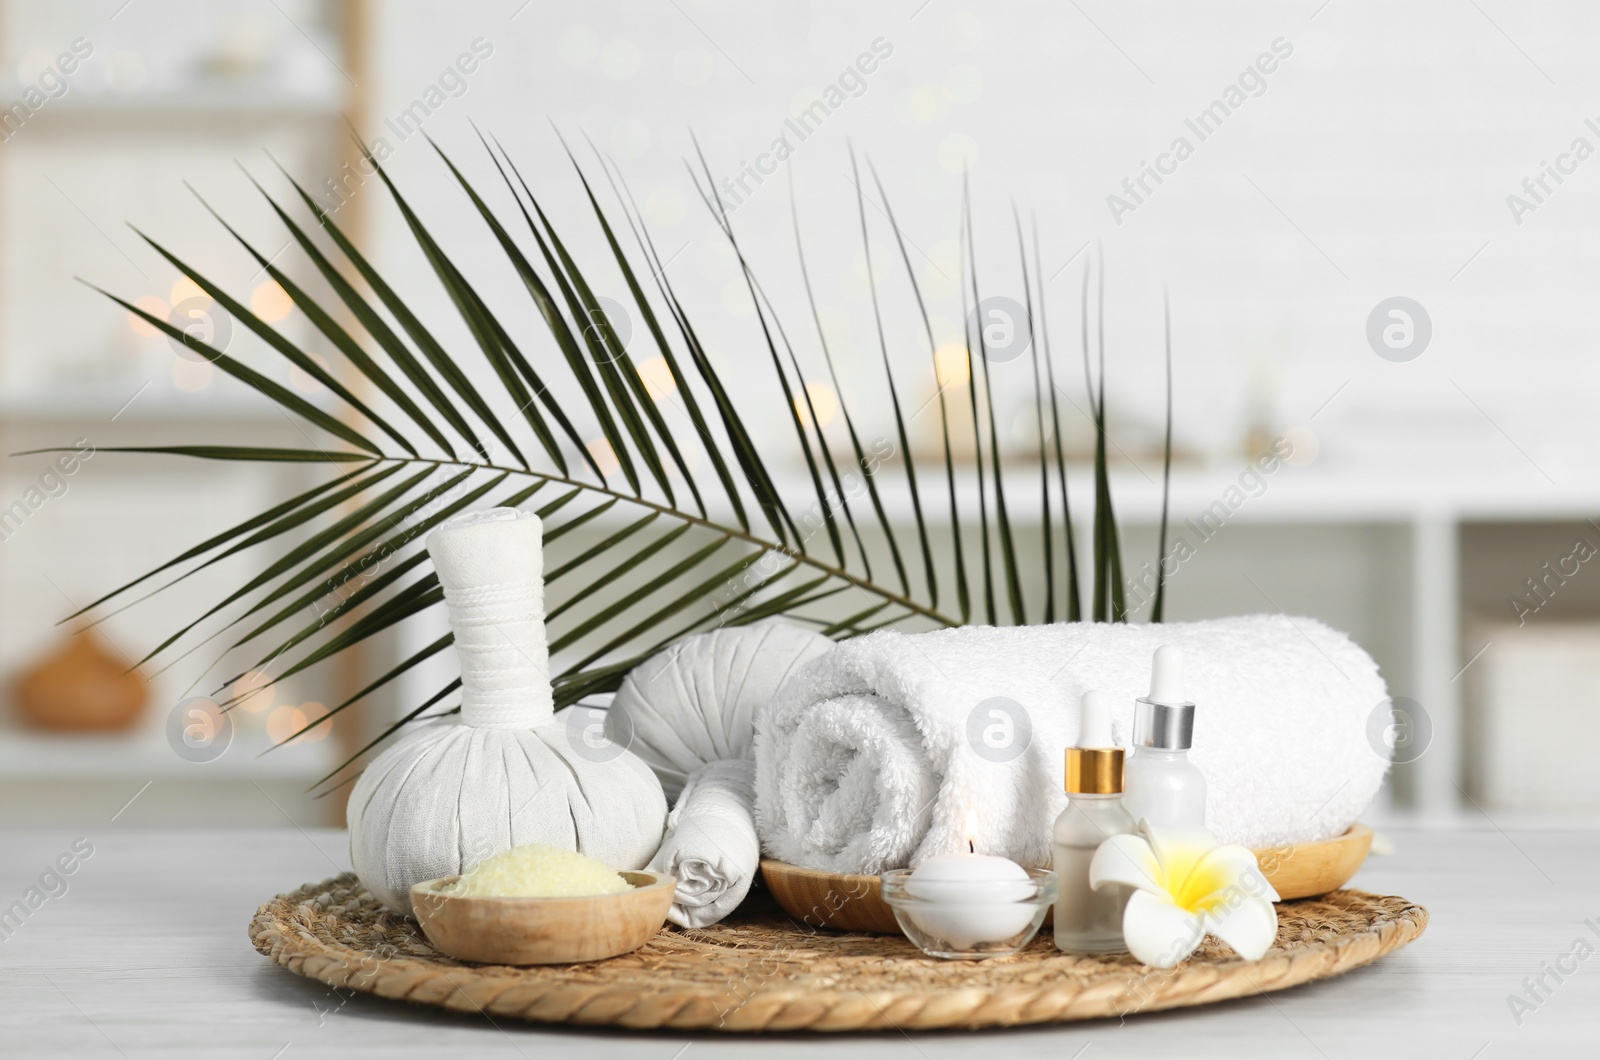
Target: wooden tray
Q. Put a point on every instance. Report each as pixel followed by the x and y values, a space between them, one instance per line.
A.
pixel 855 903
pixel 764 972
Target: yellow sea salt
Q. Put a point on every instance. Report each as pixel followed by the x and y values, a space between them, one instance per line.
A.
pixel 537 871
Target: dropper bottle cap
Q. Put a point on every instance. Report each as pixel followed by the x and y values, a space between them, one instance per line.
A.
pixel 1164 720
pixel 1094 767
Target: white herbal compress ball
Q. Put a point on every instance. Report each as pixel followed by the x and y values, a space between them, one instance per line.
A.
pixel 689 712
pixel 696 701
pixel 451 792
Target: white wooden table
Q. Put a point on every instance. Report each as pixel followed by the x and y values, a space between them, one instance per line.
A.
pixel 145 955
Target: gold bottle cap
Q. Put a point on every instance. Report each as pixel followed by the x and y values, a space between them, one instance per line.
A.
pixel 1094 770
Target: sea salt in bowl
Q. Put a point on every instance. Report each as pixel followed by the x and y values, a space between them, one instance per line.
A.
pixel 567 929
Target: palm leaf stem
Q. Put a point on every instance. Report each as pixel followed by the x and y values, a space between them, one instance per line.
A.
pixel 1156 608
pixel 1038 410
pixel 1074 603
pixel 1008 549
pixel 977 422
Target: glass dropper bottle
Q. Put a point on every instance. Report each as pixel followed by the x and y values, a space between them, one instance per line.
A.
pixel 1087 920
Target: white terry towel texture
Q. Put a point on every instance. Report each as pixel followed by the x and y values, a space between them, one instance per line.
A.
pixel 893 748
pixel 688 712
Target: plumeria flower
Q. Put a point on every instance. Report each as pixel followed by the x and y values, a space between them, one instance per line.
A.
pixel 1186 885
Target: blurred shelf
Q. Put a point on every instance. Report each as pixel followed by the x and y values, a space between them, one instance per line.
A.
pixel 220 100
pixel 203 101
pixel 1324 492
pixel 145 755
pixel 53 409
pixel 1350 493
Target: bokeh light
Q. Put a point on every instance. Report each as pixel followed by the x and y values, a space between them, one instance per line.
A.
pixel 156 308
pixel 823 399
pixel 254 691
pixel 951 364
pixel 604 455
pixel 657 377
pixel 270 302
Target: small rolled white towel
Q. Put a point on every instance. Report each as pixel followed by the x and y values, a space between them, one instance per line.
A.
pixel 688 712
pixel 711 847
pixel 893 747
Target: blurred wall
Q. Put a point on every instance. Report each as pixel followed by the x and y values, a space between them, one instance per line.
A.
pixel 1283 173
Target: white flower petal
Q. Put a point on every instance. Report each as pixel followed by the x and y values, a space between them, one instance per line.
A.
pixel 1224 872
pixel 1250 926
pixel 1128 860
pixel 1171 843
pixel 1157 932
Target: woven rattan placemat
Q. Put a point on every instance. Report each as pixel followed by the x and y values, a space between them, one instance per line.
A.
pixel 761 971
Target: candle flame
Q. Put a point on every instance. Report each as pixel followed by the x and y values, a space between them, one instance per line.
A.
pixel 970 827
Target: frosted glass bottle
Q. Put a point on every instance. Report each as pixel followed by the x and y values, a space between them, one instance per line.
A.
pixel 1162 785
pixel 1088 921
pixel 1165 788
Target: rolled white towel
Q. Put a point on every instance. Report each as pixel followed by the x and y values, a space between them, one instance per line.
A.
pixel 711 846
pixel 895 747
pixel 688 712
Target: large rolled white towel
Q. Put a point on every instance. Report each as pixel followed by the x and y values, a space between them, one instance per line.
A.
pixel 895 747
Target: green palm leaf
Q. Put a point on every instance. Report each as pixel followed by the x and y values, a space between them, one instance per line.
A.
pixel 763 311
pixel 629 568
pixel 1008 545
pixel 967 311
pixel 963 598
pixel 281 526
pixel 293 504
pixel 332 330
pixel 1038 411
pixel 1074 598
pixel 1157 607
pixel 894 398
pixel 844 408
pixel 680 383
pixel 565 338
pixel 250 377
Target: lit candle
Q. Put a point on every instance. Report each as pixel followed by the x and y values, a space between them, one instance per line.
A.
pixel 973 898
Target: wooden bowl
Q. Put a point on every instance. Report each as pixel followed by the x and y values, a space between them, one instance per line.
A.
pixel 544 930
pixel 1305 870
pixel 855 903
pixel 830 899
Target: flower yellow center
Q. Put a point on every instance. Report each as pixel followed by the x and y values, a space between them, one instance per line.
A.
pixel 1189 877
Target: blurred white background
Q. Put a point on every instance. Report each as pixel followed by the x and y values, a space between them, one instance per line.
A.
pixel 1375 158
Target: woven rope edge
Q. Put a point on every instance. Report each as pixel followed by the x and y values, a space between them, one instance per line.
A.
pixel 274 933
